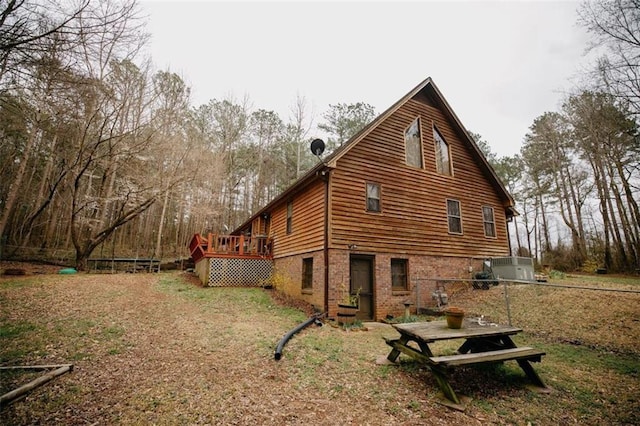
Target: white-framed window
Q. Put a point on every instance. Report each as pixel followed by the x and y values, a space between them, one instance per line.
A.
pixel 454 216
pixel 413 144
pixel 489 221
pixel 443 157
pixel 373 197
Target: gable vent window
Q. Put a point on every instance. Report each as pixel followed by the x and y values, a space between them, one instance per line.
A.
pixel 443 159
pixel 454 217
pixel 489 221
pixel 373 197
pixel 413 144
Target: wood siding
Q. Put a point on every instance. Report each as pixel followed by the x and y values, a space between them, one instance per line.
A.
pixel 307 225
pixel 413 219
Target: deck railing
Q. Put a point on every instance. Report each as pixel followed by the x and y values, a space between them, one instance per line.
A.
pixel 238 246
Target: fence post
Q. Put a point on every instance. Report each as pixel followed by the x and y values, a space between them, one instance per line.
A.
pixel 506 299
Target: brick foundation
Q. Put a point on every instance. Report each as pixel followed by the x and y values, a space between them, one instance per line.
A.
pixel 288 278
pixel 386 301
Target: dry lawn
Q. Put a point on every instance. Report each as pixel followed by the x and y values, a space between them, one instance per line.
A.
pixel 156 348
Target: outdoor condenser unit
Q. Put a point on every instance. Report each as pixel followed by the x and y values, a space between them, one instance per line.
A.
pixel 512 268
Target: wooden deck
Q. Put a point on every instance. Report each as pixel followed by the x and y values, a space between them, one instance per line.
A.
pixel 230 246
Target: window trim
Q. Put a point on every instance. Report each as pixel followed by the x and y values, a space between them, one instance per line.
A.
pixel 420 143
pixel 492 222
pixel 289 220
pixel 437 157
pixel 307 275
pixel 405 264
pixel 366 194
pixel 450 216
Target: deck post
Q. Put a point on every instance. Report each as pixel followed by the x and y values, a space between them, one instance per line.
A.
pixel 210 243
pixel 241 245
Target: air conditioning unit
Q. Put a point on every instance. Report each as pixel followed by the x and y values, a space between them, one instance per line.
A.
pixel 512 268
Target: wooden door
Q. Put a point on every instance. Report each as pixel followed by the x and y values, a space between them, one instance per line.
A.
pixel 361 273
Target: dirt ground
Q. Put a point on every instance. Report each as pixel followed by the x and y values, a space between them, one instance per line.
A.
pixel 145 356
pixel 145 352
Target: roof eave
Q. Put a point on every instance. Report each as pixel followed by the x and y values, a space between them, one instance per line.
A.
pixel 510 202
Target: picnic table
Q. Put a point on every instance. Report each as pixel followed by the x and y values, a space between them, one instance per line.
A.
pixel 483 343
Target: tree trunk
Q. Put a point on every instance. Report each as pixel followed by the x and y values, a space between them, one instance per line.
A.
pixel 605 217
pixel 165 202
pixel 515 227
pixel 16 185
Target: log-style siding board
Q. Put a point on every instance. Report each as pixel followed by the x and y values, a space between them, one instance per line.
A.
pixel 414 210
pixel 307 223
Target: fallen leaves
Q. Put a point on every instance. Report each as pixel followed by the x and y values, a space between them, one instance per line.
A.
pixel 156 348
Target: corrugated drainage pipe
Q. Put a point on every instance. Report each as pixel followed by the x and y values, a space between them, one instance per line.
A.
pixel 314 319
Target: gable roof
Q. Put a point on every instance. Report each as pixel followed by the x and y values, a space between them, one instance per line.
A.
pixel 431 90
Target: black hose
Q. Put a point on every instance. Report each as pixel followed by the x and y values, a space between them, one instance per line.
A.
pixel 289 335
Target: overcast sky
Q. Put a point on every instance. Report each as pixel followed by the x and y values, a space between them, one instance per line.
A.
pixel 499 64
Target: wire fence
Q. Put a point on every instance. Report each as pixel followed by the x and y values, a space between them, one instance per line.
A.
pixel 430 291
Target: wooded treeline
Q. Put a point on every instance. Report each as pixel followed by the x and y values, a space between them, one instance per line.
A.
pixel 103 156
pixel 577 176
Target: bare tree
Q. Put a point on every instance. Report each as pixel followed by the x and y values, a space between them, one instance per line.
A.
pixel 549 152
pixel 230 124
pixel 615 25
pixel 299 126
pixel 266 130
pixel 607 139
pixel 26 29
pixel 38 104
pixel 345 120
pixel 172 98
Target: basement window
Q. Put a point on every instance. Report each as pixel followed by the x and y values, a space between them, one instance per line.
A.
pixel 399 281
pixel 307 274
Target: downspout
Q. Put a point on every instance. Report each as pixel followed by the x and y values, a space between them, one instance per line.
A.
pixel 510 219
pixel 326 176
pixel 509 236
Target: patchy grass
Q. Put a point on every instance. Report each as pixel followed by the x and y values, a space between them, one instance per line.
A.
pixel 591 340
pixel 12 331
pixel 151 348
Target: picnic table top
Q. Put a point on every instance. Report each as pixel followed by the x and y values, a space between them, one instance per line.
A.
pixel 432 331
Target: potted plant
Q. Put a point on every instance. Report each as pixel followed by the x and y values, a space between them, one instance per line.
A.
pixel 454 316
pixel 348 305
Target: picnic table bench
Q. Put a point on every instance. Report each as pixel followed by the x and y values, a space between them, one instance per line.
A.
pixel 482 344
